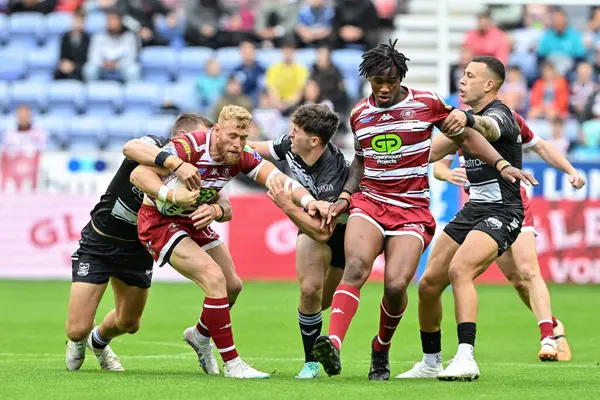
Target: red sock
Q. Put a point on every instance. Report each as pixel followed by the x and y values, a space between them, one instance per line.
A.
pixel 343 307
pixel 218 321
pixel 554 322
pixel 201 325
pixel 387 326
pixel 546 329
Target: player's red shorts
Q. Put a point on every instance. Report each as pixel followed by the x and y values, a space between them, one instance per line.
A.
pixel 393 220
pixel 160 234
pixel 528 224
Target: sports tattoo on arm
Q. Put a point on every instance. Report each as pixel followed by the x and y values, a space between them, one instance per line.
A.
pixel 487 127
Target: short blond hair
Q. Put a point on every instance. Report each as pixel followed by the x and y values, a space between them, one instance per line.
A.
pixel 240 115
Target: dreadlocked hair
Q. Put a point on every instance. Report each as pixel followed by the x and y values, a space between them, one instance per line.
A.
pixel 382 57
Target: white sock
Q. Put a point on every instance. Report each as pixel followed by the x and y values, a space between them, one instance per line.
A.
pixel 465 350
pixel 232 362
pixel 198 336
pixel 432 359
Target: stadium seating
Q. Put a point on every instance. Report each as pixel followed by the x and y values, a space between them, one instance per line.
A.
pixel 26 29
pixel 65 97
pixel 30 93
pixel 142 98
pixel 88 132
pixel 229 58
pixel 57 24
pixel 13 64
pixel 103 98
pixel 42 62
pixel 159 64
pixel 192 62
pixel 95 22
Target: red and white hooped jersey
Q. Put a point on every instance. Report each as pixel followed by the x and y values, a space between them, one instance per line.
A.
pixel 395 143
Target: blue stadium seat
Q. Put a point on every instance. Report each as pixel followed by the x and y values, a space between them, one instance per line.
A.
pixel 6 122
pixel 42 62
pixel 4 28
pixel 88 132
pixel 103 97
pixel 57 127
pixel 353 86
pixel 58 23
pixel 65 97
pixel 159 63
pixel 121 129
pixel 192 60
pixel 30 93
pixel 142 98
pixel 27 29
pixel 229 58
pixel 307 57
pixel 3 97
pixel 347 60
pixel 268 57
pixel 158 126
pixel 182 94
pixel 13 64
pixel 95 22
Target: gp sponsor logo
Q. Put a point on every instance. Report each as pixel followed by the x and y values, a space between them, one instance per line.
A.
pixel 386 143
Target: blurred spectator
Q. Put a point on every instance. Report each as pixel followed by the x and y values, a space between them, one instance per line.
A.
pixel 314 23
pixel 592 107
pixel 592 35
pixel 285 80
pixel 549 95
pixel 457 71
pixel 355 22
pixel 514 90
pixel 535 20
pixel 275 21
pixel 267 117
pixel 211 84
pixel 557 137
pixel 26 138
pixel 330 80
pixel 596 65
pixel 311 94
pixel 233 95
pixel 113 53
pixel 487 39
pixel 140 16
pixel 238 25
pixel 250 72
pixel 202 23
pixel 582 88
pixel 42 6
pixel 68 6
pixel 561 44
pixel 74 48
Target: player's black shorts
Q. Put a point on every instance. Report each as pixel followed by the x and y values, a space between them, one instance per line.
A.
pixel 99 257
pixel 502 223
pixel 336 244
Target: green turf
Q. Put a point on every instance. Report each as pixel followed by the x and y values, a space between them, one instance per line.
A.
pixel 160 366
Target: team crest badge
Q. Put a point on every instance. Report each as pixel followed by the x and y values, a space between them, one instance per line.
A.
pixel 408 114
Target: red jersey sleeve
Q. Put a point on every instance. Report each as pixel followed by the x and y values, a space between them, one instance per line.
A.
pixel 527 136
pixel 436 104
pixel 250 162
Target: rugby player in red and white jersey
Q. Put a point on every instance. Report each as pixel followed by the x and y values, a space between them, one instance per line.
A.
pixel 520 263
pixel 190 245
pixel 387 193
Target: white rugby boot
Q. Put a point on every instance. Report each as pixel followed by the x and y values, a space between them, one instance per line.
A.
pixel 203 349
pixel 461 369
pixel 237 368
pixel 75 355
pixel 548 350
pixel 106 357
pixel 422 371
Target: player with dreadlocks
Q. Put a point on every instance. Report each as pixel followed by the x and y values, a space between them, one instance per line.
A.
pixel 387 194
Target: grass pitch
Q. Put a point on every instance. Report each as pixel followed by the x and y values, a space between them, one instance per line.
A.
pixel 160 366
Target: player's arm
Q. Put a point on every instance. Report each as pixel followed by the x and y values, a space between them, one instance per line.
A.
pixel 458 120
pixel 441 170
pixel 556 159
pixel 219 210
pixel 263 148
pixel 476 145
pixel 441 146
pixel 227 211
pixel 148 153
pixel 149 180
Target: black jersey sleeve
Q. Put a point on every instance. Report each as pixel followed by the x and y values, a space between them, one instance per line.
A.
pixel 504 119
pixel 155 140
pixel 280 146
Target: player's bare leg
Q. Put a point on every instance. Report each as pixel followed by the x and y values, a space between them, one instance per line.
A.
pixel 83 303
pixel 402 255
pixel 475 255
pixel 333 277
pixel 432 284
pixel 311 259
pixel 363 242
pixel 195 264
pixel 520 265
pixel 130 302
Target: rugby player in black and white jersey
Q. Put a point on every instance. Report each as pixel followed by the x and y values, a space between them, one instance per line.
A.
pixel 109 250
pixel 322 169
pixel 482 231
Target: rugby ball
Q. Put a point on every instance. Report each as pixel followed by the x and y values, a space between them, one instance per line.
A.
pixel 166 207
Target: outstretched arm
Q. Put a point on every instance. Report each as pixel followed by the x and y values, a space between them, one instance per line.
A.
pixel 269 172
pixel 457 120
pixel 262 148
pixel 441 146
pixel 556 159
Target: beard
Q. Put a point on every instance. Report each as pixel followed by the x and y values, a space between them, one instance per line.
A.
pixel 228 158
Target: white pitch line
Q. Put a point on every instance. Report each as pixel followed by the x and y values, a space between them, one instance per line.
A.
pixel 52 356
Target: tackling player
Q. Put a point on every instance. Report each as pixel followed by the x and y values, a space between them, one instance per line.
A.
pixel 109 249
pixel 520 264
pixel 482 231
pixel 322 169
pixel 199 254
pixel 387 193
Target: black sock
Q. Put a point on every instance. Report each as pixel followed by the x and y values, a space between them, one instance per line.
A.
pixel 310 329
pixel 466 332
pixel 98 342
pixel 431 342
